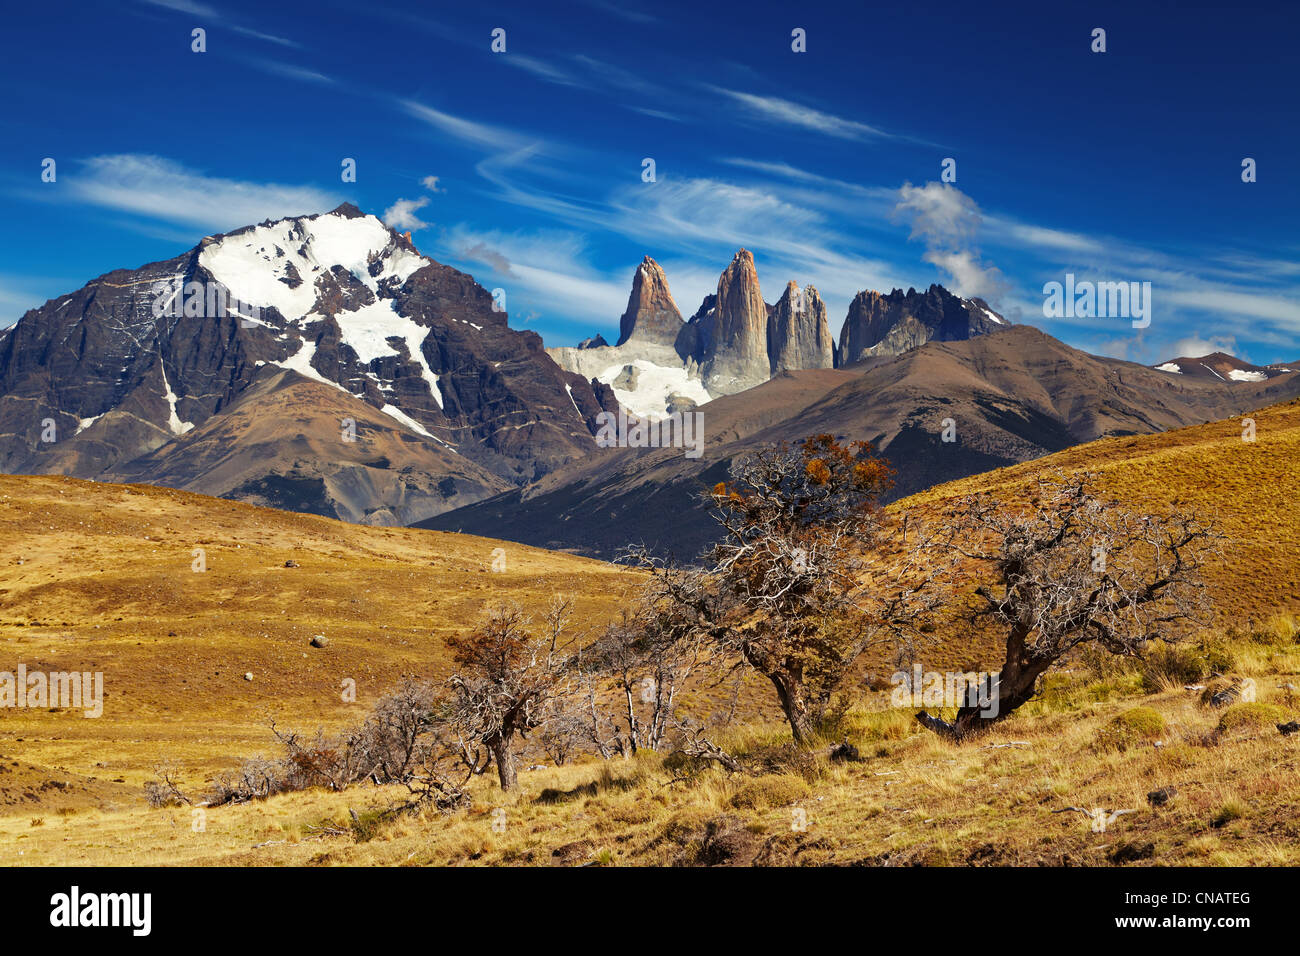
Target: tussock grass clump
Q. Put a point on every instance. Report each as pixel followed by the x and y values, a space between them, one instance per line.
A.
pixel 765 793
pixel 684 825
pixel 614 776
pixel 1278 631
pixel 1061 693
pixel 871 726
pixel 1232 810
pixel 1167 666
pixel 1251 716
pixel 1131 728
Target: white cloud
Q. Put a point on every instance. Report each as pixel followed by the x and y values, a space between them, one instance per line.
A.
pixel 194 8
pixel 788 113
pixel 616 76
pixel 539 68
pixel 431 183
pixel 1024 234
pixel 269 37
pixel 402 214
pixel 292 72
pixel 948 222
pixel 1195 347
pixel 469 131
pixel 544 272
pixel 191 7
pixel 1234 303
pixel 162 189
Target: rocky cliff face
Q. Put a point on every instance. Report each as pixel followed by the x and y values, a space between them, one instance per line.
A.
pixel 797 334
pixel 895 323
pixel 652 315
pixel 121 370
pixel 731 338
pixel 733 342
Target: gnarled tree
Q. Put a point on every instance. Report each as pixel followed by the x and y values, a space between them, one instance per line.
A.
pixel 806 575
pixel 1065 568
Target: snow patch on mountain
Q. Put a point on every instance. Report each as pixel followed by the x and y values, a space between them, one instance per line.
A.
pixel 1241 375
pixel 655 384
pixel 367 331
pixel 174 422
pixel 256 265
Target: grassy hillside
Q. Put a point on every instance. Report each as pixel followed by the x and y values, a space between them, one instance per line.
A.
pixel 101 577
pixel 1253 488
pixel 98 576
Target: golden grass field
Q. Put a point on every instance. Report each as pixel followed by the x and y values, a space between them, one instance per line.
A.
pixel 98 577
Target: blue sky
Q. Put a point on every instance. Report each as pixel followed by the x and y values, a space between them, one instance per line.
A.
pixel 1115 166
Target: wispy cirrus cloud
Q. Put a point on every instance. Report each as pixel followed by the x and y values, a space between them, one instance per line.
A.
pixel 465 130
pixel 785 112
pixel 539 68
pixel 610 74
pixel 289 71
pixel 161 189
pixel 546 270
pixel 623 11
pixel 208 12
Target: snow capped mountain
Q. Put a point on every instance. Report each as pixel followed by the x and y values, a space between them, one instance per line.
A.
pixel 136 374
pixel 321 363
pixel 1222 367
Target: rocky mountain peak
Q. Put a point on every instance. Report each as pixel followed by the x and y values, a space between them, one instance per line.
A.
pixel 798 336
pixel 895 323
pixel 732 342
pixel 336 314
pixel 651 315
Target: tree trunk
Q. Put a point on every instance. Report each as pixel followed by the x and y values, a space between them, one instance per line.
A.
pixel 1017 682
pixel 790 693
pixel 505 761
pixel 633 728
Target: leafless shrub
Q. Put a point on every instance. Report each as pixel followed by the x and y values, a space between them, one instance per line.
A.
pixel 256 779
pixel 164 791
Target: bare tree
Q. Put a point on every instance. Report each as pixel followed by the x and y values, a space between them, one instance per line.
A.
pixel 394 736
pixel 649 655
pixel 806 576
pixel 1067 568
pixel 508 677
pixel 598 728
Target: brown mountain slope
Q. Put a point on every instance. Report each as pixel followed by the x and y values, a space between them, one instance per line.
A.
pixel 1012 395
pixel 283 443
